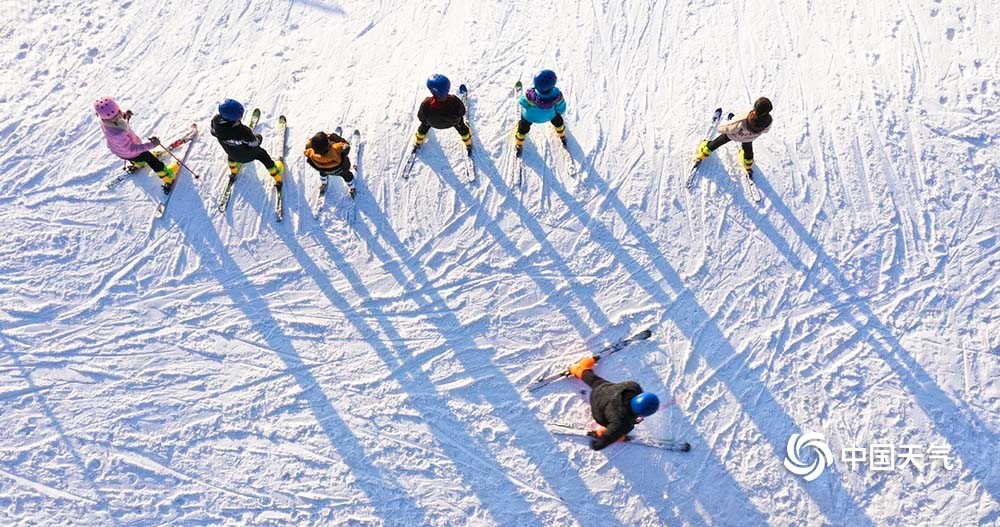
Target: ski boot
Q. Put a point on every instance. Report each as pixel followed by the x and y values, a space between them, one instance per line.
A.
pixel 167 175
pixel 467 139
pixel 581 366
pixel 561 132
pixel 518 143
pixel 323 184
pixel 747 163
pixel 703 151
pixel 234 169
pixel 276 172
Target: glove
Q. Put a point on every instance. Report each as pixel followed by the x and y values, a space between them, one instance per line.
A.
pixel 155 140
pixel 594 443
pixel 346 150
pixel 128 114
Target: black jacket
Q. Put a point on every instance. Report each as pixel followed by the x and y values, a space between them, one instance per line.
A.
pixel 610 406
pixel 237 139
pixel 441 114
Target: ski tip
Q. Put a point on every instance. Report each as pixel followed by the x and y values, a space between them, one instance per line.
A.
pixel 256 111
pixel 645 334
pixel 462 88
pixel 281 119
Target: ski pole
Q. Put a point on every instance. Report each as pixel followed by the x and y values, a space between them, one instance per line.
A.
pixel 193 173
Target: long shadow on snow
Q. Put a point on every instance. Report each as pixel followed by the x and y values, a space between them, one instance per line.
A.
pixel 383 491
pixel 470 464
pixel 746 511
pixel 528 436
pixel 971 438
pixel 663 508
pixel 697 325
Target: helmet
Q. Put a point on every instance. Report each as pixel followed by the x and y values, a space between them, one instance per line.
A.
pixel 645 404
pixel 439 85
pixel 231 110
pixel 106 108
pixel 545 80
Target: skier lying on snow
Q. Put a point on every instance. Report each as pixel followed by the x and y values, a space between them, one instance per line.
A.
pixel 124 143
pixel 617 407
pixel 743 129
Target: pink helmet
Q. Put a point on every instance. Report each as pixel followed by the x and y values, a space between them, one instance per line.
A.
pixel 106 108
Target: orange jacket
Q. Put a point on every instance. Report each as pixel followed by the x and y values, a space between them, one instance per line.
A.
pixel 332 158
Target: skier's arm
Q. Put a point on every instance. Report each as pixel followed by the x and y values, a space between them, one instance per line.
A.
pixel 422 111
pixel 561 105
pixel 614 432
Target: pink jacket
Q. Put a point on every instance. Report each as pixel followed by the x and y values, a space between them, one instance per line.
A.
pixel 121 140
pixel 740 131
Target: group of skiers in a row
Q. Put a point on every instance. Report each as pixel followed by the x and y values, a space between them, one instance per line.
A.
pixel 617 407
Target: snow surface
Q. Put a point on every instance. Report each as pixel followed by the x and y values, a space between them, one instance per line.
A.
pixel 224 369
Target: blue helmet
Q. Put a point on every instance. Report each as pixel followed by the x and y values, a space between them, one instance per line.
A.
pixel 231 110
pixel 439 85
pixel 545 80
pixel 645 404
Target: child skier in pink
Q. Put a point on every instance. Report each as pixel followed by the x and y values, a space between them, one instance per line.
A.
pixel 124 143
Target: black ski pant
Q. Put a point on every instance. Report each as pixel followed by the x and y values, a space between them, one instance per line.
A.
pixel 723 139
pixel 147 157
pixel 343 170
pixel 592 379
pixel 462 128
pixel 256 154
pixel 524 125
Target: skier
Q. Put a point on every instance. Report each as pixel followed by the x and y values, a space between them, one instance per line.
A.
pixel 124 143
pixel 743 129
pixel 442 110
pixel 240 143
pixel 544 102
pixel 617 407
pixel 327 153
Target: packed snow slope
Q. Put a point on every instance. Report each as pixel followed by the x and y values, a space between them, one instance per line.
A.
pixel 226 369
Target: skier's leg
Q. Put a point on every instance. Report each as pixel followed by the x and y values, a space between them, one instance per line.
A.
pixel 276 169
pixel 706 147
pixel 557 122
pixel 147 158
pixel 421 135
pixel 463 130
pixel 746 156
pixel 523 127
pixel 592 379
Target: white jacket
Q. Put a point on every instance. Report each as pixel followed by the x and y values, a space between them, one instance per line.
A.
pixel 740 131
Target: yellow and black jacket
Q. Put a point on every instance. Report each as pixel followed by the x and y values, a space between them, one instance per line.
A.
pixel 332 159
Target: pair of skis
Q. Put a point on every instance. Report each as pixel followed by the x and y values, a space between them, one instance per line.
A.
pixel 281 147
pixel 357 146
pixel 469 162
pixel 751 186
pixel 569 166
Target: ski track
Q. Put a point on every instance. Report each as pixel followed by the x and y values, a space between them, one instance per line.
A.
pixel 211 368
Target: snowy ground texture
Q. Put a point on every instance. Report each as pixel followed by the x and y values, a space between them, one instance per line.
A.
pixel 225 369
